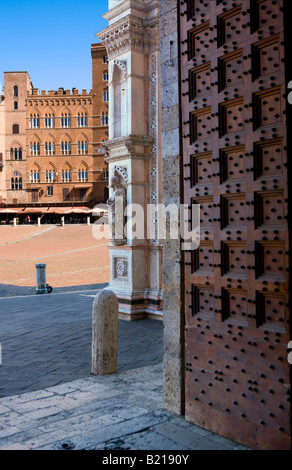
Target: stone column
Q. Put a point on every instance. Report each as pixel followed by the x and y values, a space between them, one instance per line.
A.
pixel 41 278
pixel 131 40
pixel 14 222
pixel 171 194
pixel 39 221
pixel 62 221
pixel 105 333
pixel 88 220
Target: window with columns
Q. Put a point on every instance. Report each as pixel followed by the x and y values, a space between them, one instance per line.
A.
pixel 66 147
pixel 50 148
pixel 34 148
pixel 82 120
pixel 49 121
pixel 35 176
pixel 65 120
pixel 16 153
pixel 82 147
pixel 34 121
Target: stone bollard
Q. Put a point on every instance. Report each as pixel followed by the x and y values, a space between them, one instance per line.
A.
pixel 62 221
pixel 14 222
pixel 39 221
pixel 105 333
pixel 88 220
pixel 41 279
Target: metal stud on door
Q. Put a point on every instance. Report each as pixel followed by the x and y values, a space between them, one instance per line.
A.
pixel 235 152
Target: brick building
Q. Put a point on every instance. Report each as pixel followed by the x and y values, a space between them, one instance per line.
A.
pixel 52 138
pixel 2 148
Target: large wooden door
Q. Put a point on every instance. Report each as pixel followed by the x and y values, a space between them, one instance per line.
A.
pixel 235 154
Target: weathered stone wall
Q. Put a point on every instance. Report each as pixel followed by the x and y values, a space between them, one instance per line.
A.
pixel 171 194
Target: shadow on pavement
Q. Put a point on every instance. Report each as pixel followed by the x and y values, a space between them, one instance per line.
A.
pixel 9 290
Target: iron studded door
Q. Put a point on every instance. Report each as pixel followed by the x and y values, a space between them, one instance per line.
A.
pixel 235 154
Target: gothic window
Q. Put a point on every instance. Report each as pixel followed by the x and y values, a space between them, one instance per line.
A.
pixel 105 175
pixel 83 175
pixel 16 153
pixel 34 121
pixel 82 147
pixel 16 92
pixel 34 148
pixel 15 105
pixel 82 120
pixel 35 176
pixel 66 147
pixel 65 120
pixel 105 119
pixel 66 175
pixel 49 121
pixel 16 184
pixel 50 148
pixel 105 95
pixel 50 175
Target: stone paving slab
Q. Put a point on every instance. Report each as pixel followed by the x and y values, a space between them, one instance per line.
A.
pixel 122 411
pixel 46 341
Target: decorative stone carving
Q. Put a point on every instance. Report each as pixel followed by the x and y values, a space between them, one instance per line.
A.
pixel 130 33
pixel 116 210
pixel 123 171
pixel 121 269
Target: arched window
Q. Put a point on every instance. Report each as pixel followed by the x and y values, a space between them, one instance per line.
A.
pixel 15 129
pixel 50 148
pixel 82 147
pixel 83 174
pixel 16 184
pixel 34 148
pixel 105 76
pixel 49 121
pixel 35 176
pixel 50 175
pixel 16 153
pixel 105 119
pixel 34 121
pixel 15 105
pixel 16 91
pixel 66 175
pixel 66 147
pixel 82 120
pixel 105 95
pixel 65 120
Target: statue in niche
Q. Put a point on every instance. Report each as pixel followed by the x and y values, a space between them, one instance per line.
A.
pixel 116 209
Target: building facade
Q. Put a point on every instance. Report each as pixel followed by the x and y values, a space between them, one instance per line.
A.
pixel 52 140
pixel 198 117
pixel 2 149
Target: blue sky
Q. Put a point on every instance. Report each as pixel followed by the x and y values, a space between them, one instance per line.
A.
pixel 50 40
